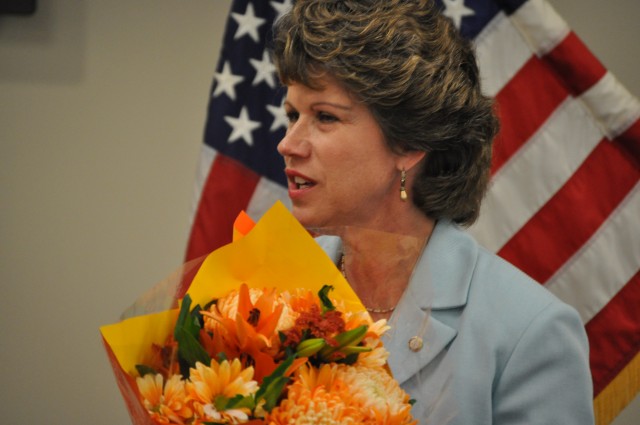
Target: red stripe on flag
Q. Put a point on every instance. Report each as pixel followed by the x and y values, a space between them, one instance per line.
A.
pixel 575 212
pixel 629 141
pixel 227 191
pixel 575 65
pixel 524 104
pixel 614 335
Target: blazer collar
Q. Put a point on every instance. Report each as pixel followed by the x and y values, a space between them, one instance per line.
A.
pixel 443 274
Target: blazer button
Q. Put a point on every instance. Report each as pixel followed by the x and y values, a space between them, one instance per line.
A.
pixel 415 344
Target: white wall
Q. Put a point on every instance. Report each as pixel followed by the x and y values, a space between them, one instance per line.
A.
pixel 102 108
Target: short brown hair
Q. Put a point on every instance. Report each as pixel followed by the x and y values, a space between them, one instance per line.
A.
pixel 418 77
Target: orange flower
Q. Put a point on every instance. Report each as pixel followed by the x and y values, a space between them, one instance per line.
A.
pixel 315 397
pixel 166 404
pixel 381 397
pixel 245 324
pixel 341 394
pixel 163 358
pixel 271 312
pixel 220 379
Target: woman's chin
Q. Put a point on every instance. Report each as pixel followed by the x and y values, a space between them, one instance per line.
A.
pixel 308 217
pixel 303 216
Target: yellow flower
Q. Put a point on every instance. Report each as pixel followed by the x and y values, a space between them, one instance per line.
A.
pixel 165 403
pixel 220 379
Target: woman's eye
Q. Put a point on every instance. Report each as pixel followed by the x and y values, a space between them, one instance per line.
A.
pixel 292 116
pixel 325 117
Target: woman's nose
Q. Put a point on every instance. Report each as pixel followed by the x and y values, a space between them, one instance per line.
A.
pixel 295 142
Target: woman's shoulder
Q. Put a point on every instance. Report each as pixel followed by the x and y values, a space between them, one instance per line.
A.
pixel 496 277
pixel 499 288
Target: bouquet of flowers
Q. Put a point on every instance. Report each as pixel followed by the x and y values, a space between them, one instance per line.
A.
pixel 268 331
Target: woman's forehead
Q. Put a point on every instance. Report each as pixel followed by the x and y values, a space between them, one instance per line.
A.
pixel 326 88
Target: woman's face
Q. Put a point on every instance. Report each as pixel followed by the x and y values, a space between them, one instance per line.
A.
pixel 340 170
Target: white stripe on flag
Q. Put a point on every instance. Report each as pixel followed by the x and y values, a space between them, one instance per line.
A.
pixel 506 44
pixel 207 155
pixel 501 52
pixel 604 264
pixel 535 173
pixel 612 105
pixel 543 28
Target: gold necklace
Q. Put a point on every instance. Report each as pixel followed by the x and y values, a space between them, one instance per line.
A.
pixel 369 309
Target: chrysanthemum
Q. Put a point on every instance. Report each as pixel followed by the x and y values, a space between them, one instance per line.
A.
pixel 314 399
pixel 379 395
pixel 375 358
pixel 166 403
pixel 341 394
pixel 220 379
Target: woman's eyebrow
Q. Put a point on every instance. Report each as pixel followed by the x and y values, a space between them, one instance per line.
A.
pixel 335 105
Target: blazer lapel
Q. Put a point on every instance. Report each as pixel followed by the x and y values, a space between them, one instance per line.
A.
pixel 440 282
pixel 414 322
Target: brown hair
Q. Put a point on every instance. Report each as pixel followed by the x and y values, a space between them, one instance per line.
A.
pixel 419 78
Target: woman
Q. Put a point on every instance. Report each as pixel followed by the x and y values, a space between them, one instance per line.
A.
pixel 388 148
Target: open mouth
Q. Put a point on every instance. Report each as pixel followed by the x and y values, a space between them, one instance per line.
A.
pixel 301 183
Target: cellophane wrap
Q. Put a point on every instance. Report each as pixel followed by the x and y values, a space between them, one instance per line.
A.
pixel 275 252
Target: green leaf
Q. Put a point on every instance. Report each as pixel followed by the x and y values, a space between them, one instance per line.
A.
pixel 183 316
pixel 238 401
pixel 186 334
pixel 327 305
pixel 273 385
pixel 190 350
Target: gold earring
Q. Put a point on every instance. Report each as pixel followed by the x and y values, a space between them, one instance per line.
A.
pixel 403 191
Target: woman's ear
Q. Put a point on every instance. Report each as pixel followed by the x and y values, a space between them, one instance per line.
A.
pixel 409 159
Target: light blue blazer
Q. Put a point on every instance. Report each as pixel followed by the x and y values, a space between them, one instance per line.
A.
pixel 498 347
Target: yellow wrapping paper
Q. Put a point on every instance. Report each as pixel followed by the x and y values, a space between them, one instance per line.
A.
pixel 276 253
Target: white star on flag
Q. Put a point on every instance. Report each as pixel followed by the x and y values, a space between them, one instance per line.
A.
pixel 264 70
pixel 281 8
pixel 242 127
pixel 280 118
pixel 226 82
pixel 456 10
pixel 248 24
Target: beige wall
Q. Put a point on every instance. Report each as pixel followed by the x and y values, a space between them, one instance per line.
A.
pixel 102 107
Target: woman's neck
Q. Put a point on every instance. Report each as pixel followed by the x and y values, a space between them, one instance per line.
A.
pixel 378 263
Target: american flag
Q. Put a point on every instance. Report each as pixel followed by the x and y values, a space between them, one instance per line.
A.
pixel 564 203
